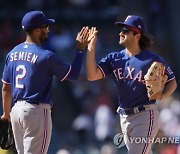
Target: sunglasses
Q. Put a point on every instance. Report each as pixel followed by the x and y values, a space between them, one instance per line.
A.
pixel 125 30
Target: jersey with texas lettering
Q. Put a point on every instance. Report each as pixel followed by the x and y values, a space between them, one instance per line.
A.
pixel 128 74
pixel 29 69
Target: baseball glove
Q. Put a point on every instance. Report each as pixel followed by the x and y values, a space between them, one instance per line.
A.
pixel 155 79
pixel 6 135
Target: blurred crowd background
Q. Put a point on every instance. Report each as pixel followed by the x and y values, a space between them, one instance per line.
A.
pixel 84 113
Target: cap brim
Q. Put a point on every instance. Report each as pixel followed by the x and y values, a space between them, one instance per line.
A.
pixel 46 22
pixel 120 24
pixel 50 21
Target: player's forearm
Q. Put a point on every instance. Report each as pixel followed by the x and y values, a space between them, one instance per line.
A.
pixel 91 66
pixel 6 99
pixel 169 88
pixel 76 66
pixel 92 71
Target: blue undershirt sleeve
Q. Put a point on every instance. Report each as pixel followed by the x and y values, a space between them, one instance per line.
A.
pixel 76 66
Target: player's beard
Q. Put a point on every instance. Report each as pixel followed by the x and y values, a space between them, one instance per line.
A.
pixel 125 41
pixel 122 41
pixel 44 36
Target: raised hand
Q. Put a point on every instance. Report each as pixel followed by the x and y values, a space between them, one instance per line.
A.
pixel 82 38
pixel 92 38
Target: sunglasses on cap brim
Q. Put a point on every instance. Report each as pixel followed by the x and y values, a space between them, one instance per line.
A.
pixel 126 30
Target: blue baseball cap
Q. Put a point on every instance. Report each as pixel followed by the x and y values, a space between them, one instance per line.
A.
pixel 133 22
pixel 35 19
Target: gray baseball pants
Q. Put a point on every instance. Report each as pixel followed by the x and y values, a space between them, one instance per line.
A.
pixel 144 124
pixel 32 126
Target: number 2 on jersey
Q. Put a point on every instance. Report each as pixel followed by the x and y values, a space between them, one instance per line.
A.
pixel 20 76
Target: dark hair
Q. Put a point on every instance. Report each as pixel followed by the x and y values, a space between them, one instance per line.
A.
pixel 145 41
pixel 29 31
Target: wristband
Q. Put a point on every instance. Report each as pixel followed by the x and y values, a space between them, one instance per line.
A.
pixel 80 51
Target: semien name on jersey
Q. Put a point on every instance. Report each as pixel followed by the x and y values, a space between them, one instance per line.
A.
pixel 25 56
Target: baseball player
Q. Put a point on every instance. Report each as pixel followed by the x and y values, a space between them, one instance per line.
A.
pixel 27 80
pixel 138 114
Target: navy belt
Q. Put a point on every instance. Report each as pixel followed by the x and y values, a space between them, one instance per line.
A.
pixel 130 111
pixel 29 102
pixel 34 103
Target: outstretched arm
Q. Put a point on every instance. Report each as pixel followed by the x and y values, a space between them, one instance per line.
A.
pixel 92 71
